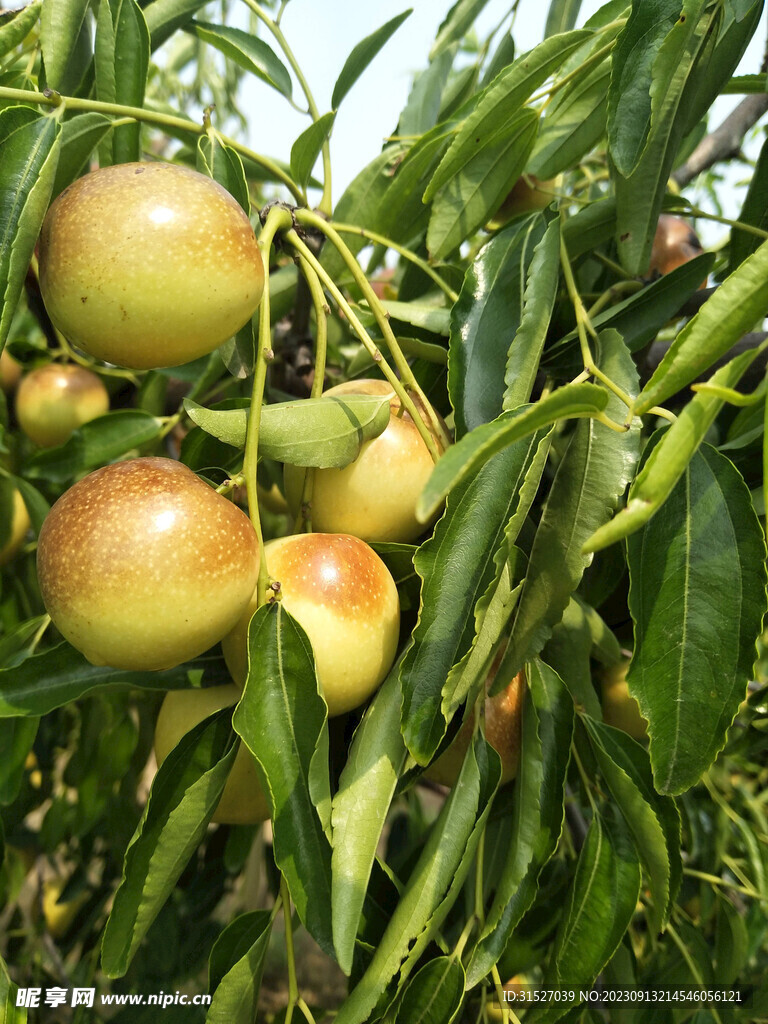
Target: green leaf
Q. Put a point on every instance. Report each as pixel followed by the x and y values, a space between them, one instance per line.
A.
pixel 524 353
pixel 601 904
pixel 469 199
pixel 80 136
pixel 640 194
pixel 425 100
pixel 29 150
pixel 60 675
pixel 61 22
pixel 461 460
pixel 669 459
pixel 502 99
pixel 562 16
pixel 367 785
pixel 362 55
pixel 754 211
pixel 95 443
pixel 537 812
pixel 434 883
pixel 697 572
pixel 434 994
pixel 37 507
pixel 653 820
pixel 485 320
pixel 639 74
pixel 223 164
pixel 14 640
pixel 456 24
pixel 248 52
pixel 574 124
pixel 165 16
pixel 8 991
pixel 318 432
pixel 235 968
pixel 282 720
pixel 122 61
pixel 306 149
pixel 16 25
pixel 590 480
pixel 569 651
pixel 435 319
pixel 17 735
pixel 183 797
pixel 731 311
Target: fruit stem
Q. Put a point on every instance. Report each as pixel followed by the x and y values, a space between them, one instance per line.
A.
pixel 595 59
pixel 326 204
pixel 402 392
pixel 277 218
pixel 322 309
pixel 152 117
pixel 408 254
pixel 715 880
pixel 382 319
pixel 738 225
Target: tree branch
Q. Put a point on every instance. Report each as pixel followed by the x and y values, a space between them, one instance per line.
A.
pixel 724 142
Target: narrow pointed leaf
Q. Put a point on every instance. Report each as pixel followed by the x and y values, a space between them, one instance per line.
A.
pixel 248 52
pixel 462 460
pixel 29 150
pixel 731 311
pixel 697 571
pixel 282 719
pixel 223 164
pixel 15 26
pixel 306 149
pixel 434 994
pixel 362 55
pixel 61 22
pixel 456 24
pixel 165 16
pixel 561 16
pixel 589 483
pixel 183 797
pixel 475 193
pixel 313 432
pixel 80 136
pixel 434 883
pixel 537 812
pixel 484 322
pixel 122 61
pixel 236 965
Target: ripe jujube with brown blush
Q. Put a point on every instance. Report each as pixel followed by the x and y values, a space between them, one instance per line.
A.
pixel 54 400
pixel 374 497
pixel 503 721
pixel 143 566
pixel 674 244
pixel 343 596
pixel 243 801
pixel 148 265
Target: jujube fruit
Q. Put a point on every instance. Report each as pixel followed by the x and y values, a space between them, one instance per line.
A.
pixel 674 243
pixel 375 496
pixel 20 524
pixel 344 597
pixel 503 720
pixel 143 566
pixel 54 400
pixel 620 709
pixel 10 371
pixel 148 265
pixel 242 802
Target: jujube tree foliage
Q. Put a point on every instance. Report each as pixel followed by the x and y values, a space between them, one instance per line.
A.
pixel 470 435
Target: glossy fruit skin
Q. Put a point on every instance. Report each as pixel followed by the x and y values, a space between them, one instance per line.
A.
pixel 344 597
pixel 20 524
pixel 143 566
pixel 148 265
pixel 54 400
pixel 674 244
pixel 619 709
pixel 10 372
pixel 374 497
pixel 243 801
pixel 503 721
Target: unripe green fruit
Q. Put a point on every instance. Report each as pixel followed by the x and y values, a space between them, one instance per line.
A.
pixel 20 524
pixel 143 566
pixel 343 596
pixel 54 400
pixel 60 916
pixel 619 709
pixel 374 497
pixel 148 265
pixel 243 801
pixel 503 721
